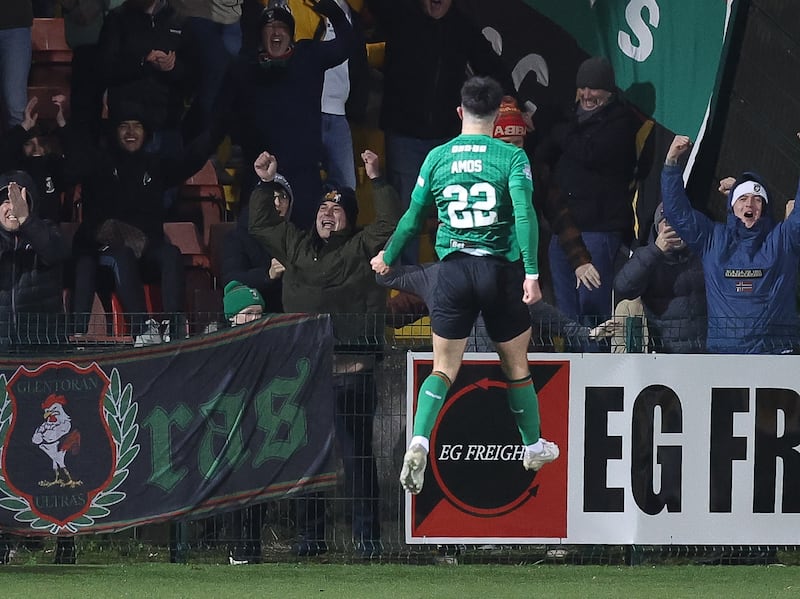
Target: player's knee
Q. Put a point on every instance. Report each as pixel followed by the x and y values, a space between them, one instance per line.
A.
pixel 515 370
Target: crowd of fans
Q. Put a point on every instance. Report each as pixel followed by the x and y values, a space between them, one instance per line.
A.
pixel 156 85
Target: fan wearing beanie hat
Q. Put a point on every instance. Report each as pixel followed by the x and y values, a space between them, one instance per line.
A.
pixel 130 125
pixel 748 199
pixel 28 191
pixel 328 272
pixel 587 162
pixel 747 196
pixel 338 211
pixel 596 73
pixel 595 83
pixel 277 33
pixel 34 152
pixel 32 255
pixel 750 262
pixel 242 303
pixel 275 92
pixel 749 187
pixel 127 110
pixel 509 124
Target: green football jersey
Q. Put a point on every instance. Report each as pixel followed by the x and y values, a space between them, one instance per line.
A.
pixel 470 181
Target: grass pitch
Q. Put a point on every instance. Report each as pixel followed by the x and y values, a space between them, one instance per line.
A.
pixel 377 581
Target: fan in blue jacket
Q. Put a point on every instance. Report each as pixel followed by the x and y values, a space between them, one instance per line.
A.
pixel 750 263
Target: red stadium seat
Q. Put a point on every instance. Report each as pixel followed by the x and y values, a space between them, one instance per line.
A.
pixel 202 193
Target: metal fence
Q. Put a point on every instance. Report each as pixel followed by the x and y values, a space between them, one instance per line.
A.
pixel 278 530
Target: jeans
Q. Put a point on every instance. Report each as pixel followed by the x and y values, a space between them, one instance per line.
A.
pixel 337 143
pixel 126 281
pixel 160 262
pixel 404 158
pixel 587 307
pixel 15 64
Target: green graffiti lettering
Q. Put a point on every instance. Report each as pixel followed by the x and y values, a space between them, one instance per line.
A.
pixel 160 423
pixel 279 416
pixel 223 420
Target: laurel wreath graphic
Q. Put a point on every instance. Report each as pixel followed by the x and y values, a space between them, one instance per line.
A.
pixel 120 414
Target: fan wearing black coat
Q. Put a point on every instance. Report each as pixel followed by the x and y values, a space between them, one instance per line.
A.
pixel 124 183
pixel 669 278
pixel 592 157
pixel 32 252
pixel 275 98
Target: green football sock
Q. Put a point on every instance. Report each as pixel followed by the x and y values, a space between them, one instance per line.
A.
pixel 430 400
pixel 525 406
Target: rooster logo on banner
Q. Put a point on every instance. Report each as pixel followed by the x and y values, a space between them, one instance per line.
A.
pixel 56 437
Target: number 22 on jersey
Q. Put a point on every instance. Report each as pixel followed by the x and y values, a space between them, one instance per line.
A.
pixel 471 208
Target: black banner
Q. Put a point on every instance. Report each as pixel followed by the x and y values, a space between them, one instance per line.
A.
pixel 118 439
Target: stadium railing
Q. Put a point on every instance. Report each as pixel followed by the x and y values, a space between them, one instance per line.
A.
pixel 389 337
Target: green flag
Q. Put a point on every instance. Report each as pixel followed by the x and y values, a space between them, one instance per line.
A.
pixel 666 53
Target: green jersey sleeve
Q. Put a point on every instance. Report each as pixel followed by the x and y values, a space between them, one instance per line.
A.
pixel 526 224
